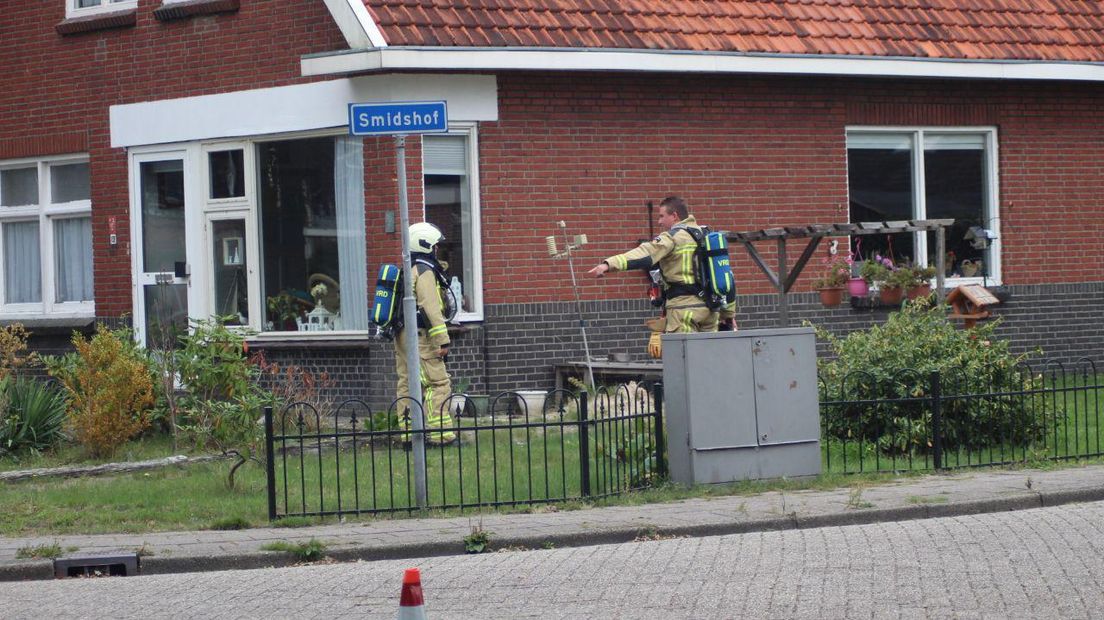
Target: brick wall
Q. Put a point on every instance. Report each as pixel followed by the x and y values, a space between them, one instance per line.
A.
pixel 56 89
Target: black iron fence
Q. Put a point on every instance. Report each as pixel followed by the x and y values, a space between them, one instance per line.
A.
pixel 964 418
pixel 507 450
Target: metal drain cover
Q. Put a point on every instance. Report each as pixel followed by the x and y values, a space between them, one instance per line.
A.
pixel 113 565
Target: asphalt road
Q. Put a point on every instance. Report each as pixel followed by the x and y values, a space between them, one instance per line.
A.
pixel 1043 563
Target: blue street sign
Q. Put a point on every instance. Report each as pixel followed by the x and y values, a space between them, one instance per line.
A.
pixel 373 119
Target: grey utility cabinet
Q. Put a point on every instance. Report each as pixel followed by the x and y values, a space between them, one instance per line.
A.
pixel 741 405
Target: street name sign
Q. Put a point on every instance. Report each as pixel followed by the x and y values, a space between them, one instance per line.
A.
pixel 397 117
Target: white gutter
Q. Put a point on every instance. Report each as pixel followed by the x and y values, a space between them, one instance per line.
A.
pixel 578 59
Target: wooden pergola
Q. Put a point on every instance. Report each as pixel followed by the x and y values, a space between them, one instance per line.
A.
pixel 784 277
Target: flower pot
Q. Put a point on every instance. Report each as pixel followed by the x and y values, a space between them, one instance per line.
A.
pixel 917 292
pixel 857 287
pixel 892 296
pixel 831 297
pixel 531 403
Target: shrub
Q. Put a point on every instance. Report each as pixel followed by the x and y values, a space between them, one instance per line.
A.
pixel 32 415
pixel 894 360
pixel 292 384
pixel 222 402
pixel 109 389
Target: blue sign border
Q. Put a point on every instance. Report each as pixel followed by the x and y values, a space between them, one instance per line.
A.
pixel 404 109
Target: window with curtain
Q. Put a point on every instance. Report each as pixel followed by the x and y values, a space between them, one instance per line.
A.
pixel 927 174
pixel 313 256
pixel 46 237
pixel 451 204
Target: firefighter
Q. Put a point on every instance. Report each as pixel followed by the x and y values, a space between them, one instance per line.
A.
pixel 433 340
pixel 672 252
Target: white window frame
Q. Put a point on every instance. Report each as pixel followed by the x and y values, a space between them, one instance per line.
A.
pixel 469 130
pixel 992 198
pixel 199 210
pixel 105 6
pixel 45 213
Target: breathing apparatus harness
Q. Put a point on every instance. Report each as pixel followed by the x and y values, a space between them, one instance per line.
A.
pixel 387 316
pixel 712 271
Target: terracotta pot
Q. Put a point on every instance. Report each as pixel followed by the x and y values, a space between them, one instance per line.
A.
pixel 917 292
pixel 892 296
pixel 831 297
pixel 857 287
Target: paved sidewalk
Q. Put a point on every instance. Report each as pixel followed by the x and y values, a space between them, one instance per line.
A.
pixel 937 495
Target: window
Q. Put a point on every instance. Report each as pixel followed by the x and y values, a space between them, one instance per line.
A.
pixel 311 220
pixel 451 203
pixel 45 237
pixel 80 8
pixel 907 174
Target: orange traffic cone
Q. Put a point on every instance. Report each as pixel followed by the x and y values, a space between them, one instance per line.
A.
pixel 411 604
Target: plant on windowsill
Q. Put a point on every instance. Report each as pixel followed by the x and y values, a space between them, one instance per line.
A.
pixel 837 272
pixel 283 309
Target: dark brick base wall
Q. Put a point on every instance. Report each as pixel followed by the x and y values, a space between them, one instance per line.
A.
pixel 518 345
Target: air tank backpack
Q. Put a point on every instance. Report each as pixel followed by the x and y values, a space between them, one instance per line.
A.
pixel 386 310
pixel 713 269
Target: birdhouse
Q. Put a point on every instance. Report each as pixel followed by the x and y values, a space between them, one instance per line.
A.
pixel 969 302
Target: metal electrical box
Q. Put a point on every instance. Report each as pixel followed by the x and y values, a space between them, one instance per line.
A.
pixel 741 405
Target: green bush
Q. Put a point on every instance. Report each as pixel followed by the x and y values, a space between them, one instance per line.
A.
pixel 32 415
pixel 222 401
pixel 894 360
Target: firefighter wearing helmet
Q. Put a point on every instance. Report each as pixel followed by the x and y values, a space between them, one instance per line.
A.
pixel 435 309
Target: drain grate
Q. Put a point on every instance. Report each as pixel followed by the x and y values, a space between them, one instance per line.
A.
pixel 117 565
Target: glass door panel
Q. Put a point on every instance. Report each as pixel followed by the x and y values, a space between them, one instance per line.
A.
pixel 162 309
pixel 230 268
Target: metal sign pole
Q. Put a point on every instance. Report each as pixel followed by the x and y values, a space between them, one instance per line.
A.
pixel 410 333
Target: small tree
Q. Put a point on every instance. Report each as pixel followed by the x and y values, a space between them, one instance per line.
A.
pixel 222 397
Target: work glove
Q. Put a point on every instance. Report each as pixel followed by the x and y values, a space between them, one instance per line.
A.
pixel 655 345
pixel 727 325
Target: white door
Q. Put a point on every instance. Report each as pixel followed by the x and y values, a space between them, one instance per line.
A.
pixel 162 292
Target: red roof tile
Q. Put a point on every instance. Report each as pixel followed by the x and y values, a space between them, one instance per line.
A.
pixel 1071 30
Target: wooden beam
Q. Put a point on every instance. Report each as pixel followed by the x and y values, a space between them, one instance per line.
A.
pixel 791 278
pixel 758 260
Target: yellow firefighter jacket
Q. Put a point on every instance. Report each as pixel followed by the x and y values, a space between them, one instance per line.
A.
pixel 431 304
pixel 674 254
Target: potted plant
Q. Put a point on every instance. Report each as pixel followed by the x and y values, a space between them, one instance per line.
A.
pixel 896 283
pixel 875 270
pixel 830 286
pixel 921 282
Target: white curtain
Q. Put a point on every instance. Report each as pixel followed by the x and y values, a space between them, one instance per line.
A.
pixel 352 258
pixel 22 264
pixel 73 258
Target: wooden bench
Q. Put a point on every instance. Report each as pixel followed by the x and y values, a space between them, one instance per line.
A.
pixel 615 370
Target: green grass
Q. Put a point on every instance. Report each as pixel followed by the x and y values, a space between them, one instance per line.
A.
pixel 488 467
pixel 145 448
pixel 310 551
pixel 38 552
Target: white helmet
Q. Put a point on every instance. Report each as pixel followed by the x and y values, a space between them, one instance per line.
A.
pixel 423 236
